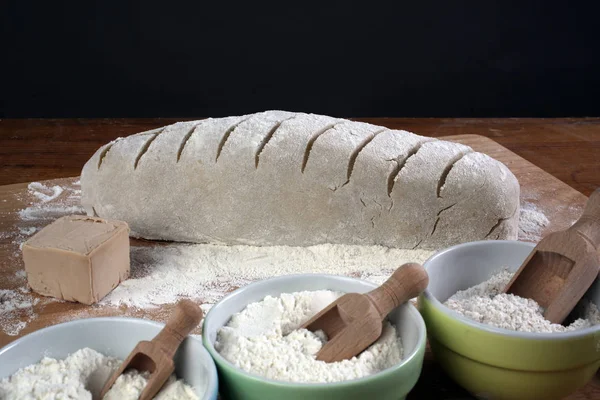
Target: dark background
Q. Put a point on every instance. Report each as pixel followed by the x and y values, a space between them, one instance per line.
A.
pixel 372 58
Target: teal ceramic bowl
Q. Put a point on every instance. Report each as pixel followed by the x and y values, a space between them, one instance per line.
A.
pixel 391 384
pixel 111 336
pixel 494 363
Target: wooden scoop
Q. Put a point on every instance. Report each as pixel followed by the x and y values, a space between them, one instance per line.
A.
pixel 563 265
pixel 156 356
pixel 354 321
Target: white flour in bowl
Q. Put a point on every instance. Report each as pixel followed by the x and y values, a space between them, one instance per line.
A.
pixel 486 304
pixel 81 376
pixel 264 339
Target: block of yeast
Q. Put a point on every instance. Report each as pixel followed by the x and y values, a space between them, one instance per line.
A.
pixel 78 258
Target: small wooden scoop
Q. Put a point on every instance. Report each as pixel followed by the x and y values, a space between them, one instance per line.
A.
pixel 563 265
pixel 156 356
pixel 354 321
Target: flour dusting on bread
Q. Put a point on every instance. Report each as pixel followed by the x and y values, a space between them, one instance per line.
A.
pixel 283 178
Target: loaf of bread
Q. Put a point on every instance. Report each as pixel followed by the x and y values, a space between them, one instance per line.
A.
pixel 282 178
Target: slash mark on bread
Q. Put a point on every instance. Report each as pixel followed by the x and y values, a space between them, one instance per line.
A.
pixel 145 147
pixel 267 138
pixel 104 151
pixel 446 171
pixel 312 140
pixel 391 181
pixel 185 140
pixel 357 151
pixel 501 220
pixel 226 136
pixel 437 217
pixel 496 225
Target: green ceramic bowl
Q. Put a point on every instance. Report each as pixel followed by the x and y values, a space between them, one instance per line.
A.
pixel 393 383
pixel 494 363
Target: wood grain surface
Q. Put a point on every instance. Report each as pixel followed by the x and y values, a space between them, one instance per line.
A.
pixel 568 148
pixel 561 203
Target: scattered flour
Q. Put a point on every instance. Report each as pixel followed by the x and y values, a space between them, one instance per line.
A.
pixel 11 300
pixel 163 274
pixel 531 223
pixel 76 194
pixel 5 235
pixel 43 192
pixel 81 376
pixel 486 304
pixel 28 231
pixel 48 213
pixel 264 339
pixel 46 204
pixel 42 211
pixel 16 309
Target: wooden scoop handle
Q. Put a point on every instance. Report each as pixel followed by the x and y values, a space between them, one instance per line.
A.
pixel 588 225
pixel 183 320
pixel 407 282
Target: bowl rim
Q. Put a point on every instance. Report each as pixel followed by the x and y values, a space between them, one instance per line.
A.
pixel 366 379
pixel 489 328
pixel 213 382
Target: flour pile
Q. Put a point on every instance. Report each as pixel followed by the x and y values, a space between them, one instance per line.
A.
pixel 11 300
pixel 486 304
pixel 81 376
pixel 163 274
pixel 16 309
pixel 264 339
pixel 49 206
pixel 43 192
pixel 531 223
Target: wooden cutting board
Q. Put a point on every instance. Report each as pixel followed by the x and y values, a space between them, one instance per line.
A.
pixel 561 204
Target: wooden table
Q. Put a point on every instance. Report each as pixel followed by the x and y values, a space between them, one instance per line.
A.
pixel 569 149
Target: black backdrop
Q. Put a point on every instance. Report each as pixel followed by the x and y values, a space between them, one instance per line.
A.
pixel 369 58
